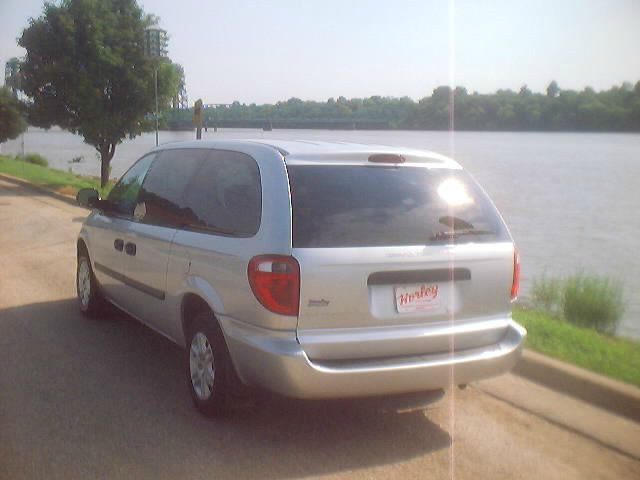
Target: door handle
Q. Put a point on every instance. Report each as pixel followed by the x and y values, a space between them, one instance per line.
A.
pixel 118 244
pixel 130 248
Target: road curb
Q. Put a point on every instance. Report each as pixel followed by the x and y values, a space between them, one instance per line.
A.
pixel 598 390
pixel 25 183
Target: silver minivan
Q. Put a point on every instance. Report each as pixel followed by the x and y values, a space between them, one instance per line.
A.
pixel 311 269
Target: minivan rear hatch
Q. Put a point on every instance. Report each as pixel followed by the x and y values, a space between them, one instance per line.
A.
pixel 396 259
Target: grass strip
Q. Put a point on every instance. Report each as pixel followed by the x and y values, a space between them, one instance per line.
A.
pixel 614 357
pixel 57 180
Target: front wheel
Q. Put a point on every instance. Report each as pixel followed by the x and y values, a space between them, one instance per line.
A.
pixel 208 365
pixel 89 296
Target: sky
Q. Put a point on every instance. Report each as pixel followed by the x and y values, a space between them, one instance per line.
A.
pixel 266 51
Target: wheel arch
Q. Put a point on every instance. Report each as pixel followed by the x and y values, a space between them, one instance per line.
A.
pixel 82 243
pixel 190 305
pixel 81 246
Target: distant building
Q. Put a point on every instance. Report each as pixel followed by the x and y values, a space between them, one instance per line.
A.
pixel 155 42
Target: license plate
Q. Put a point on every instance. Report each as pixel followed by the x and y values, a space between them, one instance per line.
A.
pixel 421 297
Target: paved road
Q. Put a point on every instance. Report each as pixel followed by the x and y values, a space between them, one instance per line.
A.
pixel 107 399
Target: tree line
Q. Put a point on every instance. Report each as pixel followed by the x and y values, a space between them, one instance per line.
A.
pixel 616 109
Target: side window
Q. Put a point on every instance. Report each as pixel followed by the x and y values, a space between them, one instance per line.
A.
pixel 225 196
pixel 160 201
pixel 124 194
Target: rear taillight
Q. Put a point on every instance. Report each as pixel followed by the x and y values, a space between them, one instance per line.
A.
pixel 515 284
pixel 275 281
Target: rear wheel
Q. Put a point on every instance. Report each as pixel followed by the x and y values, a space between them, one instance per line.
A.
pixel 91 301
pixel 208 365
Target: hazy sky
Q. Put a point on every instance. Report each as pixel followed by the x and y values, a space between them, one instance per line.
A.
pixel 264 51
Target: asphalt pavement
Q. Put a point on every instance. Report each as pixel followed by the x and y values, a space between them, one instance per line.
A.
pixel 107 399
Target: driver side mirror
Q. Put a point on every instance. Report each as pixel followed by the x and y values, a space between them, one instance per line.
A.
pixel 88 197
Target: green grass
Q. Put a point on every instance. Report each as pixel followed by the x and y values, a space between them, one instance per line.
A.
pixel 546 293
pixel 586 300
pixel 34 158
pixel 57 180
pixel 617 358
pixel 595 302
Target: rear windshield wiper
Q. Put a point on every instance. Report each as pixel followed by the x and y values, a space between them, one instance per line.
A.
pixel 456 223
pixel 447 235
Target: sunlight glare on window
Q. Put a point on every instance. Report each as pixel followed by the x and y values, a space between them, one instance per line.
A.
pixel 454 193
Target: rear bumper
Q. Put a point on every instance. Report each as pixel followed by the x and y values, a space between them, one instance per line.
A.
pixel 274 360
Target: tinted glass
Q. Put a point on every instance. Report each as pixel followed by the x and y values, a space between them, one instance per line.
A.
pixel 226 196
pixel 205 190
pixel 124 194
pixel 359 206
pixel 164 187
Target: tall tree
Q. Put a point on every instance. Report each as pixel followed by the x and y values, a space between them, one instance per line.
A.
pixel 12 75
pixel 86 71
pixel 11 122
pixel 553 90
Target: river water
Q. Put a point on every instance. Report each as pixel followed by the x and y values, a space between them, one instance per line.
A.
pixel 571 200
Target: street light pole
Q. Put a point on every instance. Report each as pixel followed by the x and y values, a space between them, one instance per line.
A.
pixel 156 84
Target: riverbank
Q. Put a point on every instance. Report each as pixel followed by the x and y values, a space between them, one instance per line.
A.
pixel 56 180
pixel 614 357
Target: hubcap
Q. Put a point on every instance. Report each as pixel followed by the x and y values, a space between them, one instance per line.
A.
pixel 84 282
pixel 201 366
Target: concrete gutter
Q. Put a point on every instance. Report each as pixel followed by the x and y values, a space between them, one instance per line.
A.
pixel 607 429
pixel 598 390
pixel 612 395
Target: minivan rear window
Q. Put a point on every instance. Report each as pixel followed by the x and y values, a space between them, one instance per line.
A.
pixel 372 206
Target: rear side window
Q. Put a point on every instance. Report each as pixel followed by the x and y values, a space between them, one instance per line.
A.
pixel 225 196
pixel 367 206
pixel 212 191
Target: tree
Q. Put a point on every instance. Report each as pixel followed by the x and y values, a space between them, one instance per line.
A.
pixel 11 122
pixel 12 75
pixel 553 90
pixel 524 91
pixel 179 99
pixel 85 71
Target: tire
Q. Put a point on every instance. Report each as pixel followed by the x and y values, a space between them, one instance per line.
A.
pixel 208 365
pixel 91 301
